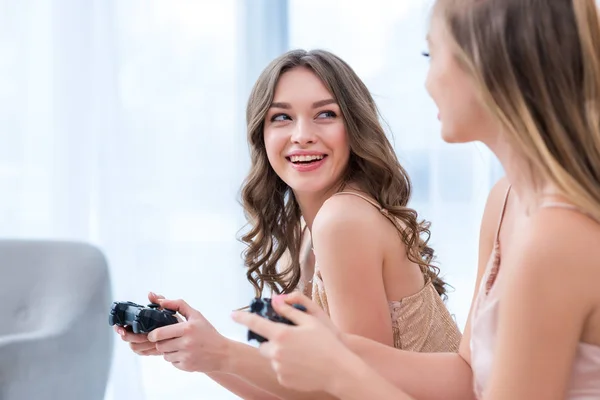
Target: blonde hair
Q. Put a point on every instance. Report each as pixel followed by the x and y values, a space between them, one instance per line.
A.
pixel 537 68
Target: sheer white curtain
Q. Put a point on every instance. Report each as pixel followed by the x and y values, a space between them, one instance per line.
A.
pixel 121 122
pixel 383 41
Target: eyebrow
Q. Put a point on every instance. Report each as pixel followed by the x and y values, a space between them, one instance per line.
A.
pixel 316 104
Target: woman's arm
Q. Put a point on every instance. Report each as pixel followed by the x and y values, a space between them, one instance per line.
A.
pixel 248 364
pixel 194 345
pixel 348 241
pixel 363 383
pixel 438 375
pixel 241 388
pixel 311 357
pixel 140 344
pixel 424 376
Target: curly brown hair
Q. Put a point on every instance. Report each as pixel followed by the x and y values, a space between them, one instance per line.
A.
pixel 270 206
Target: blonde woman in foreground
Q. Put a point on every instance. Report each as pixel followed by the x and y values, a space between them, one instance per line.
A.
pixel 523 77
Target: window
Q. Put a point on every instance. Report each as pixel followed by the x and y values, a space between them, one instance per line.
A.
pixel 171 175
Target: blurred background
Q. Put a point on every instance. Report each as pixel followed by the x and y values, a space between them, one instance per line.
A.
pixel 123 126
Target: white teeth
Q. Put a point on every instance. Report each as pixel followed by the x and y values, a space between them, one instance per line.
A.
pixel 306 158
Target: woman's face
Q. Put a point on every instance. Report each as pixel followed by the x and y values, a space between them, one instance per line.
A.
pixel 304 133
pixel 461 112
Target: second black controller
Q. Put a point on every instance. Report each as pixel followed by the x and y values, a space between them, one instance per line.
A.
pixel 141 319
pixel 263 308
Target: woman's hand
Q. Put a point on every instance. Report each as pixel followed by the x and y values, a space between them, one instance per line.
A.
pixel 193 345
pixel 305 357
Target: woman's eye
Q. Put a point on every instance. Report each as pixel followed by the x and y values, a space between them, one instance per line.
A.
pixel 327 114
pixel 279 117
pixel 425 54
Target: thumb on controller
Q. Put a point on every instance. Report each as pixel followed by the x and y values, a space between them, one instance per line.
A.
pixel 181 307
pixel 283 305
pixel 154 298
pixel 157 298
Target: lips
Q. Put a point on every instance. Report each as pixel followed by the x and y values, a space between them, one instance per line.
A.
pixel 307 162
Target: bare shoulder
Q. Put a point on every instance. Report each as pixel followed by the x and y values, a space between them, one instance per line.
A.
pixel 348 214
pixel 558 250
pixel 491 218
pixel 494 205
pixel 567 234
pixel 349 250
pixel 498 191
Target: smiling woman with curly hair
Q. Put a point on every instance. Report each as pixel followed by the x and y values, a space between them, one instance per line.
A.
pixel 326 202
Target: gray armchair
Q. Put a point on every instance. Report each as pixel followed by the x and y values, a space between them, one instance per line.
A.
pixel 55 341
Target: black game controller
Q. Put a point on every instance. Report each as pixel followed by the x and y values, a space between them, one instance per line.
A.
pixel 263 308
pixel 141 319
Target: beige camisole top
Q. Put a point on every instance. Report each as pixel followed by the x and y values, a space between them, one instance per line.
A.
pixel 420 322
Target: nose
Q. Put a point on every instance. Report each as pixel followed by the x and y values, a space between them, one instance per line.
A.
pixel 303 133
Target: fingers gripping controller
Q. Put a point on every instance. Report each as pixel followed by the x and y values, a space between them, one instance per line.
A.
pixel 263 308
pixel 142 319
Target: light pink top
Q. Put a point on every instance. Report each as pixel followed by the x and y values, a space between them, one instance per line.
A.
pixel 585 377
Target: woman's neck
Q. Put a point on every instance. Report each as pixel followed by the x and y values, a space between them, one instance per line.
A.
pixel 521 178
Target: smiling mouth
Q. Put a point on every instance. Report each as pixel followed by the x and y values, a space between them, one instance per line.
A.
pixel 305 160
